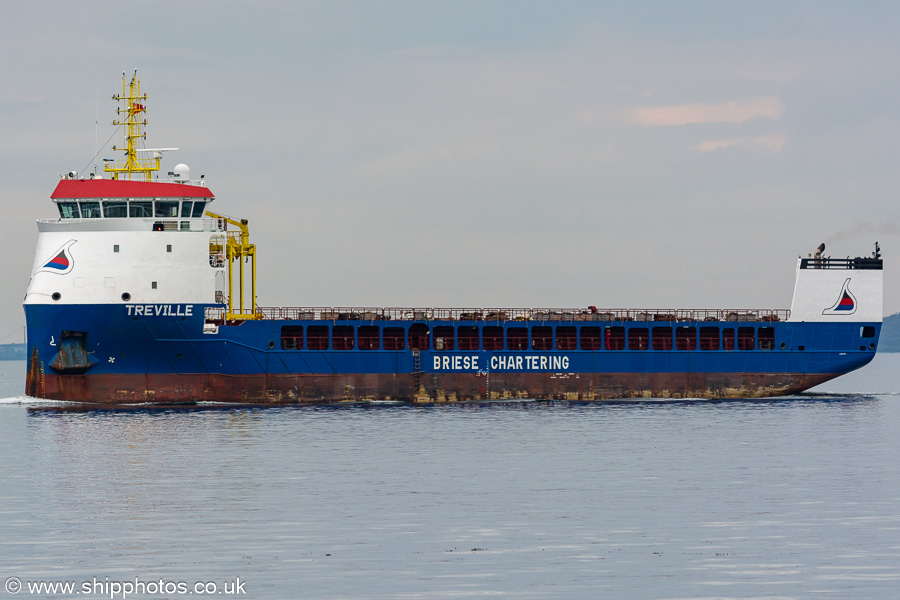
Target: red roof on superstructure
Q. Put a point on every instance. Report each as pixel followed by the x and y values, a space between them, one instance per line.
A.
pixel 115 188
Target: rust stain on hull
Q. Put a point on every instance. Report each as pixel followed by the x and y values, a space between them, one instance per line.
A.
pixel 121 389
pixel 34 383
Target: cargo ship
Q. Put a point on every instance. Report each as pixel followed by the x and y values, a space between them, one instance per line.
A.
pixel 141 292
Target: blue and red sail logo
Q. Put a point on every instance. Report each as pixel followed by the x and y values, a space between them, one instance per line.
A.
pixel 61 261
pixel 846 302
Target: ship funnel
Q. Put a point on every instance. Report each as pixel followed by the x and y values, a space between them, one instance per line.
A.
pixel 820 250
pixel 842 290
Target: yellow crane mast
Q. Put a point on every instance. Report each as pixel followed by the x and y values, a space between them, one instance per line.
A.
pixel 133 119
pixel 235 246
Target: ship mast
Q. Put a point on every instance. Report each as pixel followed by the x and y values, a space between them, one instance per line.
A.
pixel 132 117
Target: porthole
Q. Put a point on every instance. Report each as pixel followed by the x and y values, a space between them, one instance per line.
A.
pixel 271 345
pixel 872 346
pixel 126 296
pixel 56 296
pixel 783 345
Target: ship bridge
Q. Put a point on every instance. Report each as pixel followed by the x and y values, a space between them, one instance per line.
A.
pixel 117 199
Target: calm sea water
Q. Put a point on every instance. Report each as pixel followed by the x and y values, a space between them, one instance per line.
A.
pixel 792 498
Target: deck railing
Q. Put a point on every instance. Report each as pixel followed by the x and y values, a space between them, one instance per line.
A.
pixel 842 263
pixel 330 313
pixel 168 223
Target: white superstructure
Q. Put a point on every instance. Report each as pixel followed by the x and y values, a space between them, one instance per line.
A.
pixel 107 252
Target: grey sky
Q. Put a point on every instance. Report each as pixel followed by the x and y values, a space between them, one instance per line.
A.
pixel 522 154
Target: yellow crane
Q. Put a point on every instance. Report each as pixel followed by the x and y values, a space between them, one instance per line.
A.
pixel 235 246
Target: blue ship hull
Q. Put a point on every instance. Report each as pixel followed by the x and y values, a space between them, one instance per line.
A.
pixel 109 354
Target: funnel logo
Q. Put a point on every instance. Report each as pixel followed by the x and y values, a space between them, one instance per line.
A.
pixel 846 303
pixel 61 262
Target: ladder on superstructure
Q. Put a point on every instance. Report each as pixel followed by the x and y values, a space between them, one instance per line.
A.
pixel 417 370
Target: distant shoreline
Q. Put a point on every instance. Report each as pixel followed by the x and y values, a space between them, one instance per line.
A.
pixel 891 345
pixel 888 342
pixel 12 351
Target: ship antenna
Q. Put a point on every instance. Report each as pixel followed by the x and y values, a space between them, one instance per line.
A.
pixel 97 124
pixel 133 119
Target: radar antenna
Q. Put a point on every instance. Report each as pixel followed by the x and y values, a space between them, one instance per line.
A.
pixel 134 109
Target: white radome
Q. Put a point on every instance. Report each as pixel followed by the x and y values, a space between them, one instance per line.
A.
pixel 182 173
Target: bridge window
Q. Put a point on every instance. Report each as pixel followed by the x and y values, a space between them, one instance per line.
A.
pixel 709 338
pixel 115 209
pixel 342 337
pixel 140 209
pixel 418 336
pixel 542 338
pixel 394 338
pixel 317 337
pixel 166 208
pixel 662 338
pixel 686 338
pixel 291 337
pixel 468 337
pixel 517 338
pixel 638 338
pixel 591 338
pixel 746 338
pixel 766 338
pixel 443 337
pixel 369 337
pixel 90 210
pixel 566 338
pixel 198 209
pixel 492 338
pixel 186 208
pixel 728 338
pixel 68 210
pixel 615 338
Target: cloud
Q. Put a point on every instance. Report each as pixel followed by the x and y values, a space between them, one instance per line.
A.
pixel 736 111
pixel 774 142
